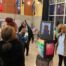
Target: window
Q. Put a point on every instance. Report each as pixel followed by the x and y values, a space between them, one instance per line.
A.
pixel 51 9
pixel 51 18
pixel 60 9
pixel 59 19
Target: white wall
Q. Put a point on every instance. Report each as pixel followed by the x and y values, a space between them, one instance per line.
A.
pixel 20 18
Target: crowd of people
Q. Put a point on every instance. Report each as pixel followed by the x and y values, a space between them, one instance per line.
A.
pixel 15 41
pixel 60 42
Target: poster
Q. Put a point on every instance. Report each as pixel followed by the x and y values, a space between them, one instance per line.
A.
pixel 18 6
pixel 40 45
pixel 46 29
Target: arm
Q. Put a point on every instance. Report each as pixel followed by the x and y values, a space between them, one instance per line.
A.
pixel 20 28
pixel 31 33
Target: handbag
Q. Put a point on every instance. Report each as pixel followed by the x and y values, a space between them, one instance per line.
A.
pixel 49 48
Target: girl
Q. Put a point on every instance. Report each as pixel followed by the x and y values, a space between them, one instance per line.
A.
pixel 60 48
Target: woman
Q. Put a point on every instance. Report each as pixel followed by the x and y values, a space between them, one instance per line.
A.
pixel 60 48
pixel 11 50
pixel 9 21
pixel 30 35
pixel 56 31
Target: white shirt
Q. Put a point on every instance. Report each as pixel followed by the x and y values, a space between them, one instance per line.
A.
pixel 60 49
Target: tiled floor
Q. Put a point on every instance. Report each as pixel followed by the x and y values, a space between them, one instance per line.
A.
pixel 31 59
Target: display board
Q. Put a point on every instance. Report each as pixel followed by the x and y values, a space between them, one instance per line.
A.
pixel 47 29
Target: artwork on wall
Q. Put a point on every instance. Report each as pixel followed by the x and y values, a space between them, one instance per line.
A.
pixel 47 29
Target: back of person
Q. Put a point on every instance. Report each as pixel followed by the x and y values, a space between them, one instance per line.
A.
pixel 11 50
pixel 11 53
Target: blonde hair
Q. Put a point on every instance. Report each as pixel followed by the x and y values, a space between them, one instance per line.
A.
pixel 8 33
pixel 61 27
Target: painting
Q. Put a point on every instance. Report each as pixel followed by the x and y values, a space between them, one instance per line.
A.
pixel 46 29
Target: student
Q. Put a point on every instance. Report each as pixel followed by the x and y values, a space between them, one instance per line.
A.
pixel 11 49
pixel 9 21
pixel 56 31
pixel 60 48
pixel 30 34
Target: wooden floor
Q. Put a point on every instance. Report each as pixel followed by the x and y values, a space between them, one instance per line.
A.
pixel 31 59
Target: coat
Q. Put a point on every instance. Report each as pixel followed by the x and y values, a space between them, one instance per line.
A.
pixel 13 56
pixel 30 33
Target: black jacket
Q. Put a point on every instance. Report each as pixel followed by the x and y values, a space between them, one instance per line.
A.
pixel 13 56
pixel 30 33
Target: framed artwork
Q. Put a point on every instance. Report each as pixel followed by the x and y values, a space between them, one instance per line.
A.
pixel 46 29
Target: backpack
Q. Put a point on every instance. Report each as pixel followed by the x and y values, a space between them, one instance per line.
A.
pixel 49 48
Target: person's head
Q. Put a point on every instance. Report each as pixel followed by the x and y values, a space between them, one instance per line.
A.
pixel 11 23
pixel 8 33
pixel 24 23
pixel 46 28
pixel 62 28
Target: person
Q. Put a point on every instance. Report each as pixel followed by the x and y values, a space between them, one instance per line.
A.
pixel 9 21
pixel 60 47
pixel 30 35
pixel 11 49
pixel 56 32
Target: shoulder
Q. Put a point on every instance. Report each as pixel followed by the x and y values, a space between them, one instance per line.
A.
pixel 17 42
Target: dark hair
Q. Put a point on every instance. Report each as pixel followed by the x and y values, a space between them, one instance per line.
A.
pixel 11 23
pixel 7 36
pixel 6 46
pixel 8 19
